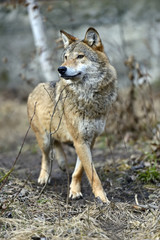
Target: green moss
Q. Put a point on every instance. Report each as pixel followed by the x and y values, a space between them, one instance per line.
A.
pixel 151 174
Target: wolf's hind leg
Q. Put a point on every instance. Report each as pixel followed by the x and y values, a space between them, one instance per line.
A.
pixel 75 186
pixel 60 155
pixel 44 144
pixel 45 169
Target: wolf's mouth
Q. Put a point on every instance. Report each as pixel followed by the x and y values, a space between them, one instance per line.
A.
pixel 70 76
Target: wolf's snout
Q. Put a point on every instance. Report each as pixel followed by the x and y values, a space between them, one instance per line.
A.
pixel 62 70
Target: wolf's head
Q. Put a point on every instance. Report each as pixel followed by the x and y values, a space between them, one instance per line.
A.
pixel 82 58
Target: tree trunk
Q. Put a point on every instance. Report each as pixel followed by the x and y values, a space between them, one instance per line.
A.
pixel 40 39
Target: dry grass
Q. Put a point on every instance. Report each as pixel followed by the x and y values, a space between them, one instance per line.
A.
pixel 28 217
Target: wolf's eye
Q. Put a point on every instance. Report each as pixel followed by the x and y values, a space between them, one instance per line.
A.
pixel 80 56
pixel 65 57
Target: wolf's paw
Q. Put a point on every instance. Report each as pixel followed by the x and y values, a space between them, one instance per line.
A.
pixel 44 178
pixel 75 195
pixel 100 195
pixel 102 203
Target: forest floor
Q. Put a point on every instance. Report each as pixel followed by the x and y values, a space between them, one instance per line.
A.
pixel 28 213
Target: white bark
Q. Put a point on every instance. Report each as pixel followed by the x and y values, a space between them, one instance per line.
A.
pixel 40 39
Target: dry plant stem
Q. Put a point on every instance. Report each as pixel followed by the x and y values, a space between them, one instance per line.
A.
pixel 153 108
pixel 149 114
pixel 19 153
pixel 56 107
pixel 48 92
pixel 92 176
pixel 68 182
pixel 144 99
pixel 6 175
pixel 150 119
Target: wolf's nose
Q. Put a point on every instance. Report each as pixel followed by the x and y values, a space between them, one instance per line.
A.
pixel 62 70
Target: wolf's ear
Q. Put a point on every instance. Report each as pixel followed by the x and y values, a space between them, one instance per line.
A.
pixel 92 38
pixel 67 38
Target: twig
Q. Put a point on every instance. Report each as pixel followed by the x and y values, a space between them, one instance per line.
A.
pixel 68 182
pixel 136 199
pixel 54 109
pixel 143 207
pixel 47 92
pixel 153 108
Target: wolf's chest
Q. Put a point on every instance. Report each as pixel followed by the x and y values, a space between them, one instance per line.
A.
pixel 92 106
pixel 90 128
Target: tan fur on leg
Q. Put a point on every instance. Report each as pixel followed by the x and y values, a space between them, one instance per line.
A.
pixel 75 186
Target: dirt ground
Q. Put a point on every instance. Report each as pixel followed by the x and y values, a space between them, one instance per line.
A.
pixel 26 213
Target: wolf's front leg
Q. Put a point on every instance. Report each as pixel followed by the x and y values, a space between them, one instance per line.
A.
pixel 84 153
pixel 75 186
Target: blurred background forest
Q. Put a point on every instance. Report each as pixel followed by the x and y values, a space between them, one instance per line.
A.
pixel 126 27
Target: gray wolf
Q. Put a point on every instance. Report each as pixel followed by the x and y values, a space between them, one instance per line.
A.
pixel 75 108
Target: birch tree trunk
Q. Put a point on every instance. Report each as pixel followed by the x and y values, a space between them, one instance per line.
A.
pixel 40 39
